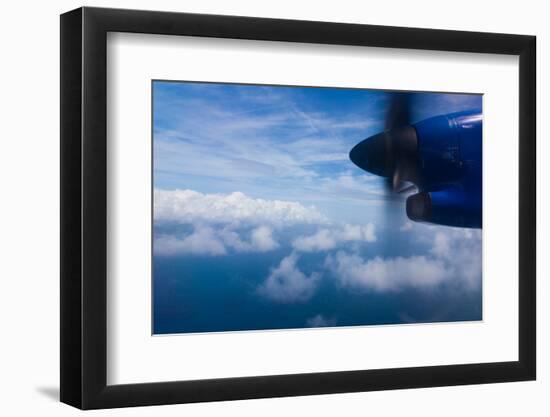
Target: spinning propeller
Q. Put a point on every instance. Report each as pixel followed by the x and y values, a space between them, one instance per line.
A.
pixel 392 154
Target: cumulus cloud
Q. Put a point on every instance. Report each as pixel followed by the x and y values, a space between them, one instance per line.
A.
pixel 287 284
pixel 188 206
pixel 390 274
pixel 203 241
pixel 212 242
pixel 261 240
pixel 320 321
pixel 327 239
pixel 322 240
pixel 353 232
pixel 454 258
pixel 461 250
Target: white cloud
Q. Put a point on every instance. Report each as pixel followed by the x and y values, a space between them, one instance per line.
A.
pixel 353 232
pixel 320 241
pixel 441 245
pixel 391 274
pixel 212 242
pixel 454 258
pixel 320 321
pixel 191 207
pixel 235 222
pixel 287 284
pixel 461 250
pixel 327 239
pixel 203 241
pixel 261 240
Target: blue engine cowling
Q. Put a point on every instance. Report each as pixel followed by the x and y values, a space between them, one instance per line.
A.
pixel 449 176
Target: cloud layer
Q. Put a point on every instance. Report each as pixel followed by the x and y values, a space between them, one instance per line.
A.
pixel 218 224
pixel 221 224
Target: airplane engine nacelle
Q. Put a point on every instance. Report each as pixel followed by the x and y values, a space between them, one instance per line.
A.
pixel 451 207
pixel 449 150
pixel 441 156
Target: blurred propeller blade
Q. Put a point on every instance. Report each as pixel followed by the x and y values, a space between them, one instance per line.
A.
pixel 398 115
pixel 407 188
pixel 396 178
pixel 399 111
pixel 392 154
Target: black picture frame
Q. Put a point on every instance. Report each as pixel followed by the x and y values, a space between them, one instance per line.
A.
pixel 84 207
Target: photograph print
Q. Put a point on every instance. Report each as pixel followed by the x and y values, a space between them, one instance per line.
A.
pixel 293 207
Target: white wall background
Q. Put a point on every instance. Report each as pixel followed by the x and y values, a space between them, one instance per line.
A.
pixel 29 177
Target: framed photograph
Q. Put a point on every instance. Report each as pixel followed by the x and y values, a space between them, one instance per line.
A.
pixel 257 208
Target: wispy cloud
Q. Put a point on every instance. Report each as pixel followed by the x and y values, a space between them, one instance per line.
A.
pixel 263 140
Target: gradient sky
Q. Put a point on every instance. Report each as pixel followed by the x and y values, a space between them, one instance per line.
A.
pixel 262 222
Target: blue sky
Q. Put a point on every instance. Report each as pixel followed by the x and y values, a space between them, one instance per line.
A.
pixel 260 176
